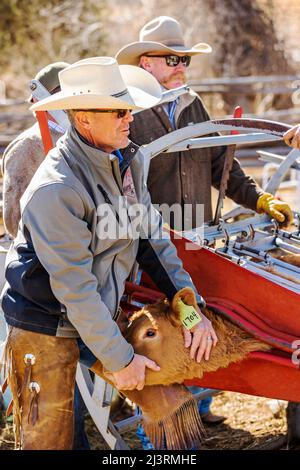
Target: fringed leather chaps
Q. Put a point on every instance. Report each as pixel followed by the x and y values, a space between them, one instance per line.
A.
pixel 41 371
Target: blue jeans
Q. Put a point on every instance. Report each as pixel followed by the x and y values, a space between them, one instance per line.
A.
pixel 203 405
pixel 81 442
pixel 86 357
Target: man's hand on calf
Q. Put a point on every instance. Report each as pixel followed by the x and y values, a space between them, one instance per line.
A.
pixel 201 338
pixel 133 376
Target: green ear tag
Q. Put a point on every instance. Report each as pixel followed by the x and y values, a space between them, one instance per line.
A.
pixel 189 316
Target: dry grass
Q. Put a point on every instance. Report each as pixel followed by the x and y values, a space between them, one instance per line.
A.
pixel 250 423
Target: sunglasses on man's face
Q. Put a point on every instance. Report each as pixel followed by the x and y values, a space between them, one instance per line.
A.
pixel 121 113
pixel 174 60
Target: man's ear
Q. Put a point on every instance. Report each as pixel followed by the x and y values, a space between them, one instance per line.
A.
pixel 187 296
pixel 145 63
pixel 82 118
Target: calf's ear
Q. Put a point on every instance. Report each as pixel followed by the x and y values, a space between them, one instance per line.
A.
pixel 187 296
pixel 122 322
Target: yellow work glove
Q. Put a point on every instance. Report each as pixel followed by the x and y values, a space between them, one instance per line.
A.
pixel 279 210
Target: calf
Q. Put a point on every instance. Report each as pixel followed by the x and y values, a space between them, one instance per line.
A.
pixel 156 332
pixel 171 418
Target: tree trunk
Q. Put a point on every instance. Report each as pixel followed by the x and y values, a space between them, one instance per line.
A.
pixel 245 43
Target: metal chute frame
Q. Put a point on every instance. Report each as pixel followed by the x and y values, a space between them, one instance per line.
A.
pixel 184 139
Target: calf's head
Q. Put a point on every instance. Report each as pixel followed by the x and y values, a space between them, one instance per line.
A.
pixel 156 332
pixel 171 418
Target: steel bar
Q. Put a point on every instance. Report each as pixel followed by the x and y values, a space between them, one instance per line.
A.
pixel 262 269
pixel 251 80
pixel 289 236
pixel 262 241
pixel 127 424
pixel 265 242
pixel 120 444
pixel 216 232
pixel 274 158
pixel 270 127
pixel 92 394
pixel 228 162
pixel 236 212
pixel 243 249
pixel 221 140
pixel 149 151
pixel 284 167
pixel 287 246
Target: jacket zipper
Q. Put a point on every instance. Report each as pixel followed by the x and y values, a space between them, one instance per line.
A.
pixel 116 287
pixel 121 191
pixel 115 178
pixel 107 200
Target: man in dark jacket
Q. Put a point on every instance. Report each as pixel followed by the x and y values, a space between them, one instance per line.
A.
pixel 185 177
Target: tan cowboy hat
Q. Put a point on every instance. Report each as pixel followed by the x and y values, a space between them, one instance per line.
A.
pixel 163 34
pixel 101 83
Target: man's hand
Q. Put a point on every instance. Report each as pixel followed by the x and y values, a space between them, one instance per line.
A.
pixel 279 210
pixel 133 376
pixel 292 137
pixel 201 338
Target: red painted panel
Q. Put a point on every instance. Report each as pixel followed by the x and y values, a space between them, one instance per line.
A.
pixel 260 375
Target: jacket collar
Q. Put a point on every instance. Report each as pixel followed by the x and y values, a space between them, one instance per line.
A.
pixel 185 100
pixel 80 149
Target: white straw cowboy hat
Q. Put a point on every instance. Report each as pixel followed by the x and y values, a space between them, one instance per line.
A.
pixel 100 83
pixel 163 34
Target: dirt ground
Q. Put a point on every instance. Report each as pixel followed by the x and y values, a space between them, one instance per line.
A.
pixel 251 423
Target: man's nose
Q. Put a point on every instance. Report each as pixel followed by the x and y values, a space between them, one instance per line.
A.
pixel 128 117
pixel 181 67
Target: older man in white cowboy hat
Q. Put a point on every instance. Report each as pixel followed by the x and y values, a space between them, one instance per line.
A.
pixel 21 159
pixel 185 177
pixel 67 268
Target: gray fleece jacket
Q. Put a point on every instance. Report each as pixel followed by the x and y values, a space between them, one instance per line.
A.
pixel 65 276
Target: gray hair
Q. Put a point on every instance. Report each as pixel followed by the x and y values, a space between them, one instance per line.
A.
pixel 71 115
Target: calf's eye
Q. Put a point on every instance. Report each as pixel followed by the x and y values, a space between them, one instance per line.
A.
pixel 150 333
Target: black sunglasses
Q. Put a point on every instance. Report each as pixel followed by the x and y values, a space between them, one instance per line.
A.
pixel 121 113
pixel 174 60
